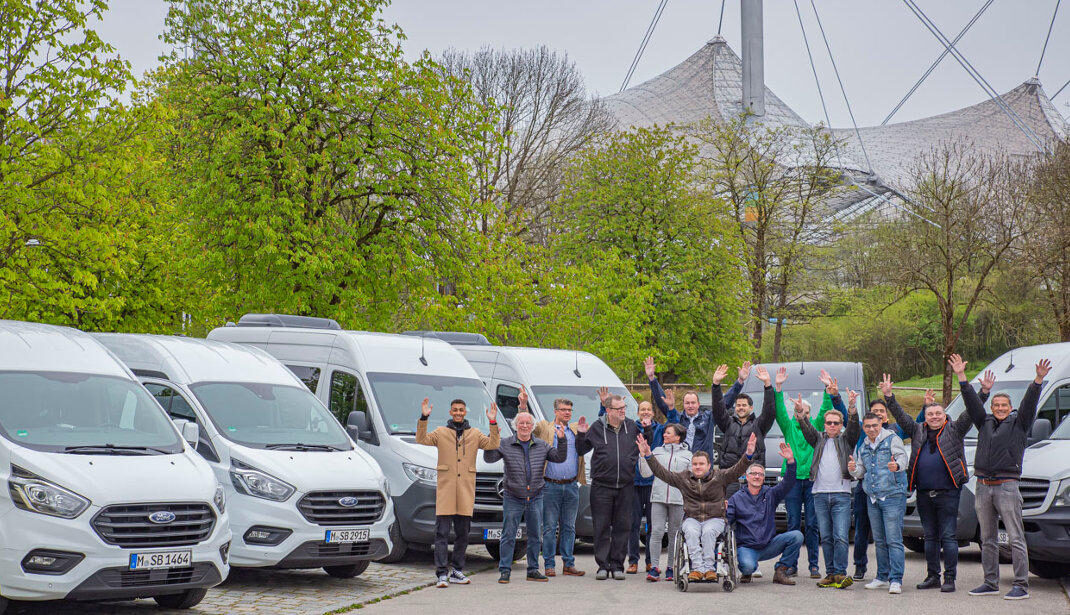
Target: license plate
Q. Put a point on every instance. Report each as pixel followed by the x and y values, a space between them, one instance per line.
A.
pixel 496 534
pixel 336 536
pixel 161 559
pixel 781 508
pixel 1002 538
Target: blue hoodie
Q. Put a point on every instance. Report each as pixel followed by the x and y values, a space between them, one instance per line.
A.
pixel 755 515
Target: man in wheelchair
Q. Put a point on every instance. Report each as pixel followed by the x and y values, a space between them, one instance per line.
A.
pixel 703 491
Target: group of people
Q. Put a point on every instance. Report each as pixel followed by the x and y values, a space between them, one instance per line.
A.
pixel 663 471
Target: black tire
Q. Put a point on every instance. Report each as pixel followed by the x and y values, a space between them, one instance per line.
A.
pixel 728 586
pixel 397 553
pixel 3 605
pixel 1049 570
pixel 185 600
pixel 519 549
pixel 347 571
pixel 916 545
pixel 680 567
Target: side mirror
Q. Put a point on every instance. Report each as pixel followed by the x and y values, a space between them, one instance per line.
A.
pixel 1041 430
pixel 359 428
pixel 191 433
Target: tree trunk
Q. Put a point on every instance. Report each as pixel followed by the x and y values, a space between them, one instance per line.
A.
pixel 777 336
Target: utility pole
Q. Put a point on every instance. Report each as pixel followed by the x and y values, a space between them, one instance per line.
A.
pixel 753 57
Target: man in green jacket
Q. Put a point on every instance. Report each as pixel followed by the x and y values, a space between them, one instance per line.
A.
pixel 802 494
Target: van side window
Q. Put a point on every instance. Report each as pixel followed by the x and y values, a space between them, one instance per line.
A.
pixel 508 400
pixel 1057 406
pixel 172 402
pixel 309 375
pixel 346 396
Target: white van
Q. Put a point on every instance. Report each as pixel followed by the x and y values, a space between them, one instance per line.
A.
pixel 105 499
pixel 374 383
pixel 548 374
pixel 301 494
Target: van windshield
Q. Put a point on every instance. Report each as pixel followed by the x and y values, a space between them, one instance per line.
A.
pixel 1016 390
pixel 272 416
pixel 584 400
pixel 83 413
pixel 1062 432
pixel 399 397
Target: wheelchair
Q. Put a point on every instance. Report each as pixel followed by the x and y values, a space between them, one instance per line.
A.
pixel 727 564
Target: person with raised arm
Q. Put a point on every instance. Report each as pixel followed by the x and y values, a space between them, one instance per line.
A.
pixel 697 422
pixel 738 425
pixel 666 502
pixel 455 495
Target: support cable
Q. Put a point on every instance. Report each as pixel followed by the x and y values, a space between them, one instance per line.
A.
pixel 1048 37
pixel 1059 91
pixel 720 21
pixel 642 46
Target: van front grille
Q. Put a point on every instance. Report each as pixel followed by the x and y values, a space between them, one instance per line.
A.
pixel 326 508
pixel 129 525
pixel 1034 491
pixel 488 490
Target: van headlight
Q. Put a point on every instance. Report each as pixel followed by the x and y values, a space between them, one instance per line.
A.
pixel 1062 493
pixel 220 498
pixel 420 473
pixel 35 494
pixel 250 481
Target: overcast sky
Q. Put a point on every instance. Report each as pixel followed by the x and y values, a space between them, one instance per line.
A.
pixel 880 47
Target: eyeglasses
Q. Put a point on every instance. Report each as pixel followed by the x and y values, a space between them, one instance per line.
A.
pixel 834 422
pixel 618 408
pixel 755 473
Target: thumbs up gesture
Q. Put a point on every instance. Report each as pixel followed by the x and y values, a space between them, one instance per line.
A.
pixel 851 465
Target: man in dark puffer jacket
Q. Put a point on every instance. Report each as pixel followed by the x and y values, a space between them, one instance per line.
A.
pixel 525 459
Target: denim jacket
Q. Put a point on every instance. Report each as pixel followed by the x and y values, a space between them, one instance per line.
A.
pixel 871 465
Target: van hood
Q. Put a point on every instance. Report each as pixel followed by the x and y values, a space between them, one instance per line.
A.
pixel 117 479
pixel 425 456
pixel 1047 460
pixel 314 470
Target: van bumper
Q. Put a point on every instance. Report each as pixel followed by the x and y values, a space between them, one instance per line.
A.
pixel 104 570
pixel 415 512
pixel 1047 535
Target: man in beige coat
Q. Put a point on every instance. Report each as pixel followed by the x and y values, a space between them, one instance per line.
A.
pixel 458 444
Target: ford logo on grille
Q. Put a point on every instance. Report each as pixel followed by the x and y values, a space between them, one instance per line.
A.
pixel 348 501
pixel 162 516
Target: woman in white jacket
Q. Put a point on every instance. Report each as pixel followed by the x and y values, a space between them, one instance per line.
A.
pixel 666 503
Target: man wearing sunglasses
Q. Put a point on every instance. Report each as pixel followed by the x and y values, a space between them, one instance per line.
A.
pixel 832 486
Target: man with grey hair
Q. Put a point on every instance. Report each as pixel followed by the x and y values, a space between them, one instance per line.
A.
pixel 614 453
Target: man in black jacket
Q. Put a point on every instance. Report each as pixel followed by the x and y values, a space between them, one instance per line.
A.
pixel 525 459
pixel 738 426
pixel 1001 442
pixel 613 440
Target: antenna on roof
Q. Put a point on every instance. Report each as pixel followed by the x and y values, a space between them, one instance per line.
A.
pixel 802 367
pixel 423 358
pixel 577 369
pixel 1010 365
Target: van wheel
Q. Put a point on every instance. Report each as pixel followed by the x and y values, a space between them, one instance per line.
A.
pixel 397 553
pixel 187 599
pixel 916 545
pixel 520 548
pixel 347 571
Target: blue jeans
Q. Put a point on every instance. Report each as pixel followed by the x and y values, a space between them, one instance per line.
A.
pixel 560 504
pixel 799 496
pixel 939 513
pixel 531 511
pixel 862 531
pixel 833 520
pixel 886 521
pixel 785 545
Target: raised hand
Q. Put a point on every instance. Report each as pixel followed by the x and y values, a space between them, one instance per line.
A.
pixel 763 375
pixel 800 409
pixel 648 367
pixel 522 398
pixel 833 387
pixel 930 397
pixel 958 366
pixel 492 414
pixel 787 453
pixel 824 378
pixel 720 373
pixel 885 385
pixel 644 447
pixel 669 399
pixel 752 443
pixel 603 394
pixel 851 465
pixel 560 430
pixel 1042 370
pixel 646 421
pixel 988 380
pixel 893 466
pixel 425 407
pixel 781 377
pixel 581 425
pixel 744 371
pixel 852 397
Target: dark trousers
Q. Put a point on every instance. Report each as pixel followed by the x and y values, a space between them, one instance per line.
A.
pixel 862 530
pixel 939 512
pixel 611 513
pixel 443 561
pixel 640 509
pixel 801 499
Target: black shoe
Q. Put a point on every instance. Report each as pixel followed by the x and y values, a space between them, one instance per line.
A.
pixel 931 582
pixel 860 573
pixel 949 584
pixel 535 575
pixel 504 578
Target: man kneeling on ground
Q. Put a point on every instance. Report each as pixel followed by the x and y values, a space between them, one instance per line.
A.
pixel 753 511
pixel 703 492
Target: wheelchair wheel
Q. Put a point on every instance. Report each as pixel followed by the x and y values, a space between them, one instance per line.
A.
pixel 731 558
pixel 681 565
pixel 728 586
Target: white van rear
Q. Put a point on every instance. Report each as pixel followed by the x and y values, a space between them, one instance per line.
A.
pixel 302 495
pixel 105 499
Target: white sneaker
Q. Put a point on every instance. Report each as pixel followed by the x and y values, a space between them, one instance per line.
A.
pixel 456 576
pixel 757 574
pixel 896 588
pixel 443 581
pixel 877 584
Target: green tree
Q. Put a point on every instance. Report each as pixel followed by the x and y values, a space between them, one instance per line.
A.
pixel 634 196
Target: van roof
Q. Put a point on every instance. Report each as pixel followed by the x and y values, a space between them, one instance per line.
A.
pixel 552 365
pixel 366 350
pixel 29 346
pixel 187 360
pixel 847 373
pixel 1020 364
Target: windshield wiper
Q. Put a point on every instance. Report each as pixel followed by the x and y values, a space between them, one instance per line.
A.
pixel 298 446
pixel 113 449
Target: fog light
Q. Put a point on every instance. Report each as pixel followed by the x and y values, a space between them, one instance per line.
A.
pixel 224 552
pixel 45 561
pixel 263 535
